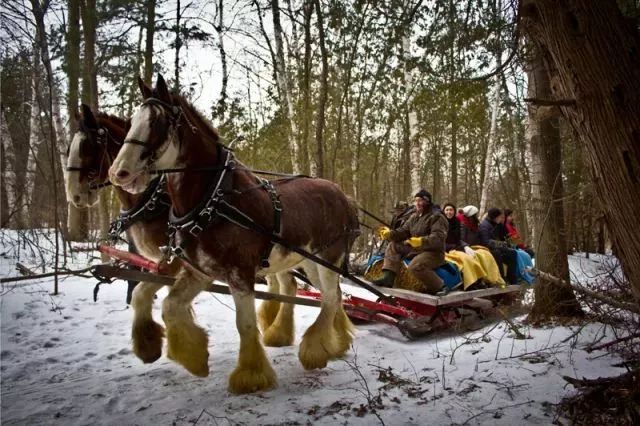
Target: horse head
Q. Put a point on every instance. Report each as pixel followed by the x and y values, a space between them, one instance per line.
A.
pixel 150 140
pixel 89 155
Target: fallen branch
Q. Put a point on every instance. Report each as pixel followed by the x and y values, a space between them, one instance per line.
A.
pixel 631 307
pixel 551 102
pixel 512 326
pixel 614 342
pixel 46 275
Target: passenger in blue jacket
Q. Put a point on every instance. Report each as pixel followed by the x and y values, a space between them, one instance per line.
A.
pixel 493 235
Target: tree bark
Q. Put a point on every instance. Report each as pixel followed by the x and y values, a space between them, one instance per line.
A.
pixel 177 46
pixel 284 87
pixel 8 186
pixel 150 28
pixel 551 299
pixel 222 101
pixel 594 53
pixel 491 147
pixel 324 75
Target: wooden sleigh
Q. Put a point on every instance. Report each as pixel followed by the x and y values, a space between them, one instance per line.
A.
pixel 414 314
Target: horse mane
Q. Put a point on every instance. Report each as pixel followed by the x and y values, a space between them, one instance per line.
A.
pixel 117 121
pixel 196 118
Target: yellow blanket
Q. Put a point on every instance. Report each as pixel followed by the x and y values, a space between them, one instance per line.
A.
pixel 471 269
pixel 489 265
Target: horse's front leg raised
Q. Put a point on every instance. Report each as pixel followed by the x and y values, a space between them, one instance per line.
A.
pixel 145 332
pixel 253 372
pixel 186 341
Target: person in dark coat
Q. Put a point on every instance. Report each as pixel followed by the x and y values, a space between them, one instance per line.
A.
pixel 422 237
pixel 454 240
pixel 469 223
pixel 514 235
pixel 493 235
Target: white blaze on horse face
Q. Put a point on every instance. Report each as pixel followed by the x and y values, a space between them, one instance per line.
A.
pixel 78 193
pixel 128 169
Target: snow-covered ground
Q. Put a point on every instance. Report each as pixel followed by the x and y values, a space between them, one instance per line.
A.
pixel 67 360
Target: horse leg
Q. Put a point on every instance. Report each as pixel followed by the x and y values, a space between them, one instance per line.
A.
pixel 320 342
pixel 145 332
pixel 281 331
pixel 253 372
pixel 186 341
pixel 269 308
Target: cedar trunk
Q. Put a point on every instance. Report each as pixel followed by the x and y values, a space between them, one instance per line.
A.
pixel 551 299
pixel 594 53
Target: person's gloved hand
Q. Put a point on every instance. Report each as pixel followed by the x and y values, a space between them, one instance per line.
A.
pixel 415 242
pixel 469 251
pixel 384 232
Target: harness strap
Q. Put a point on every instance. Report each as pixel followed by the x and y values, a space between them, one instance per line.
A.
pixel 153 203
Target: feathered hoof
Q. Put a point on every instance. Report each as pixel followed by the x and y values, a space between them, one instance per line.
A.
pixel 147 340
pixel 267 313
pixel 317 349
pixel 345 332
pixel 279 334
pixel 189 349
pixel 252 380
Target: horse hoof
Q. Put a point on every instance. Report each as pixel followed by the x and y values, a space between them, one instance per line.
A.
pixel 278 335
pixel 189 349
pixel 147 341
pixel 248 381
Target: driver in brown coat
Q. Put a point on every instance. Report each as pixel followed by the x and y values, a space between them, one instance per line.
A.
pixel 422 237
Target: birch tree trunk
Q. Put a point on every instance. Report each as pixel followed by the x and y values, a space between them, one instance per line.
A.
pixel 8 185
pixel 284 87
pixel 324 75
pixel 593 51
pixel 35 138
pixel 415 144
pixel 491 147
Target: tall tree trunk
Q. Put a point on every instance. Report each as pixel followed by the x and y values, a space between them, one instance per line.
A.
pixel 177 46
pixel 412 119
pixel 35 137
pixel 491 147
pixel 222 101
pixel 150 29
pixel 284 87
pixel 551 299
pixel 306 83
pixel 8 187
pixel 594 52
pixel 324 74
pixel 56 129
pixel 90 97
pixel 77 219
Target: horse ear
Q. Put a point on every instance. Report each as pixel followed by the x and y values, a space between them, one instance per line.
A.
pixel 163 91
pixel 88 117
pixel 144 89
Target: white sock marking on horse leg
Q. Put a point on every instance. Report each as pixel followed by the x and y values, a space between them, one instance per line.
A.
pixel 253 372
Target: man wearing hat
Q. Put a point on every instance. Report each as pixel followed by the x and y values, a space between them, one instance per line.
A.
pixel 421 237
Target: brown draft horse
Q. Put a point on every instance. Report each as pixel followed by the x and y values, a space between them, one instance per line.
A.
pixel 166 132
pixel 92 149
